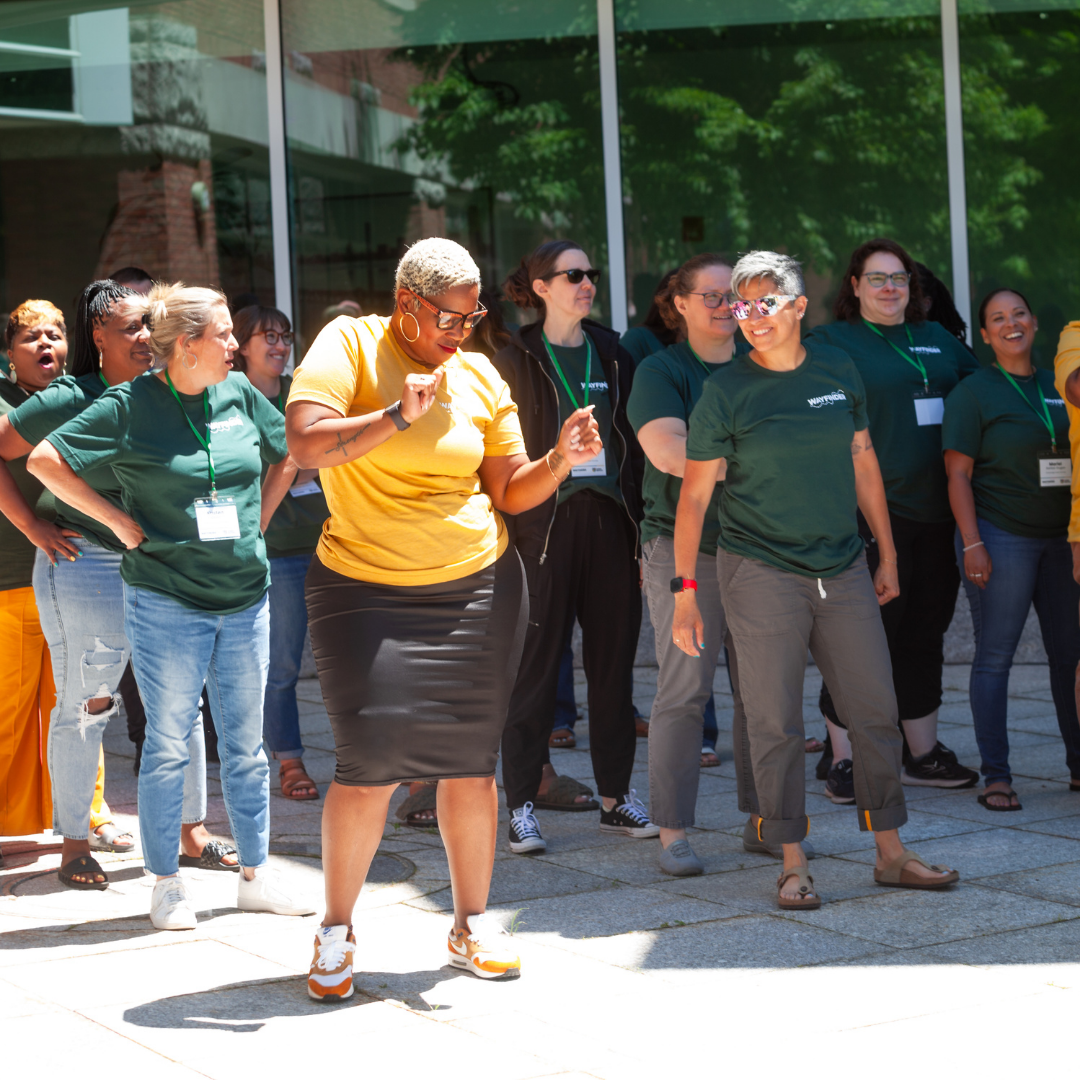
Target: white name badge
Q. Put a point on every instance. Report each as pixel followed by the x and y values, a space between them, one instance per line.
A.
pixel 592 468
pixel 929 410
pixel 217 519
pixel 310 488
pixel 1055 471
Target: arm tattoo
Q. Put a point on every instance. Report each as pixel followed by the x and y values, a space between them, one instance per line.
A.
pixel 857 447
pixel 555 462
pixel 342 443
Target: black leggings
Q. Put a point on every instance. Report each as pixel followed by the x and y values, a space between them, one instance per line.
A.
pixel 916 621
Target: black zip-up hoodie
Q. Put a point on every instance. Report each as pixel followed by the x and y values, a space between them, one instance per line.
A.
pixel 525 366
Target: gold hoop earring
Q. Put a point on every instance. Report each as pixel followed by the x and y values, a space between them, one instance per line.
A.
pixel 195 361
pixel 401 327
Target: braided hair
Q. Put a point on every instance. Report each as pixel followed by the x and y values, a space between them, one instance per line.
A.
pixel 96 303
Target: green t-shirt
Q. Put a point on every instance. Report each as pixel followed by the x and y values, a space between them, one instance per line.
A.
pixel 909 453
pixel 297 523
pixel 986 419
pixel 640 342
pixel 573 362
pixel 62 400
pixel 17 563
pixel 669 383
pixel 140 430
pixel 789 497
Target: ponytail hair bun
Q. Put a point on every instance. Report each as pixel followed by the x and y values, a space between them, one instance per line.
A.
pixel 541 264
pixel 175 311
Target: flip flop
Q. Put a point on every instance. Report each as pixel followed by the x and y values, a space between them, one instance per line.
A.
pixel 82 864
pixel 896 877
pixel 983 800
pixel 807 900
pixel 562 739
pixel 212 857
pixel 561 794
pixel 706 754
pixel 109 839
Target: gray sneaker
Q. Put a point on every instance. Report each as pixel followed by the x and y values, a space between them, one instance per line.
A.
pixel 679 860
pixel 751 843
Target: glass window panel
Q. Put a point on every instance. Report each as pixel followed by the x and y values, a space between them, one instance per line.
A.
pixel 478 120
pixel 1020 63
pixel 133 135
pixel 806 126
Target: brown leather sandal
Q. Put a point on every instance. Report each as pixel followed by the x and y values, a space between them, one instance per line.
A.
pixel 897 877
pixel 294 777
pixel 807 900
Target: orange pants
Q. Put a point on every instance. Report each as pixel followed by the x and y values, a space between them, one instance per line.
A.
pixel 28 695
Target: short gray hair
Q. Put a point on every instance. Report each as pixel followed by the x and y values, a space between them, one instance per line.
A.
pixel 432 266
pixel 782 270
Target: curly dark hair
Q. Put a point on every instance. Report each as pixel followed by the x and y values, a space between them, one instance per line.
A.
pixel 846 305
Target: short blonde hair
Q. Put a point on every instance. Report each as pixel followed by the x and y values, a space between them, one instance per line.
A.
pixel 176 311
pixel 432 266
pixel 32 313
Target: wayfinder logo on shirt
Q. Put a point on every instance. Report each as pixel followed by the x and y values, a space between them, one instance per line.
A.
pixel 218 426
pixel 826 399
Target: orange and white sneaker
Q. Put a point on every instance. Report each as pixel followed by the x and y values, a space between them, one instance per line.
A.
pixel 331 972
pixel 478 948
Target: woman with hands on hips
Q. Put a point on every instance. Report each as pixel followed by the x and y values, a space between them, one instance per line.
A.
pixel 790 421
pixel 416 598
pixel 1006 445
pixel 186 444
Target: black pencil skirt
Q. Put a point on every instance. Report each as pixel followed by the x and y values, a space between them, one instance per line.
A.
pixel 417 678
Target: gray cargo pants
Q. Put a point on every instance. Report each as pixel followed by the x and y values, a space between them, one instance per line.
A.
pixel 683 685
pixel 774 616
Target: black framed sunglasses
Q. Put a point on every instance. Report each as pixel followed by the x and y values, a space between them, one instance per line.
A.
pixel 451 320
pixel 577 276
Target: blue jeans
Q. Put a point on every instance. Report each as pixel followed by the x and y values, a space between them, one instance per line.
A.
pixel 288 626
pixel 1024 571
pixel 81 606
pixel 173 650
pixel 565 701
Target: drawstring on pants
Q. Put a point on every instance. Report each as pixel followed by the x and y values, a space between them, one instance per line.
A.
pixel 821 589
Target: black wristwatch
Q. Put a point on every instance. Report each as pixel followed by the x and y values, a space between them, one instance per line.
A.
pixel 678 584
pixel 394 412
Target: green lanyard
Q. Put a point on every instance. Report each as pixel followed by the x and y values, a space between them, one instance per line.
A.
pixel 914 361
pixel 205 443
pixel 105 382
pixel 280 403
pixel 588 369
pixel 707 368
pixel 1044 416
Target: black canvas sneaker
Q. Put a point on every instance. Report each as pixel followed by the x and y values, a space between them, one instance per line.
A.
pixel 525 838
pixel 840 785
pixel 629 817
pixel 939 768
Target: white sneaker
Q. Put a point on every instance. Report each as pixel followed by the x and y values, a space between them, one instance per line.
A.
pixel 170 908
pixel 261 894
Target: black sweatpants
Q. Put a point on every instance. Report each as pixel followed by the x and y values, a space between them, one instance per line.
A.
pixel 590 572
pixel 916 621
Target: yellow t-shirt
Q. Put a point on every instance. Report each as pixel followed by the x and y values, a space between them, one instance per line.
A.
pixel 1065 363
pixel 411 511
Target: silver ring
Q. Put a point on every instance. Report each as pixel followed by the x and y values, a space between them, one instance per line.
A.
pixel 976 575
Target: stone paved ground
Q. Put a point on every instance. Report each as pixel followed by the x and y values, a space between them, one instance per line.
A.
pixel 627 973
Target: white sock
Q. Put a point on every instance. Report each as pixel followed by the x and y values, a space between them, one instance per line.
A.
pixel 841 744
pixel 921 734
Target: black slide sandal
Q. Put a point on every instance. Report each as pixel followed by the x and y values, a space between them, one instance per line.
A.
pixel 84 864
pixel 212 857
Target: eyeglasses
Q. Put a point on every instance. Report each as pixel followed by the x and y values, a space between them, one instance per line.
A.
pixel 876 280
pixel 451 320
pixel 715 299
pixel 286 337
pixel 577 276
pixel 767 305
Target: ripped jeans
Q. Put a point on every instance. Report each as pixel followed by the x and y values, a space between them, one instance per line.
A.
pixel 81 607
